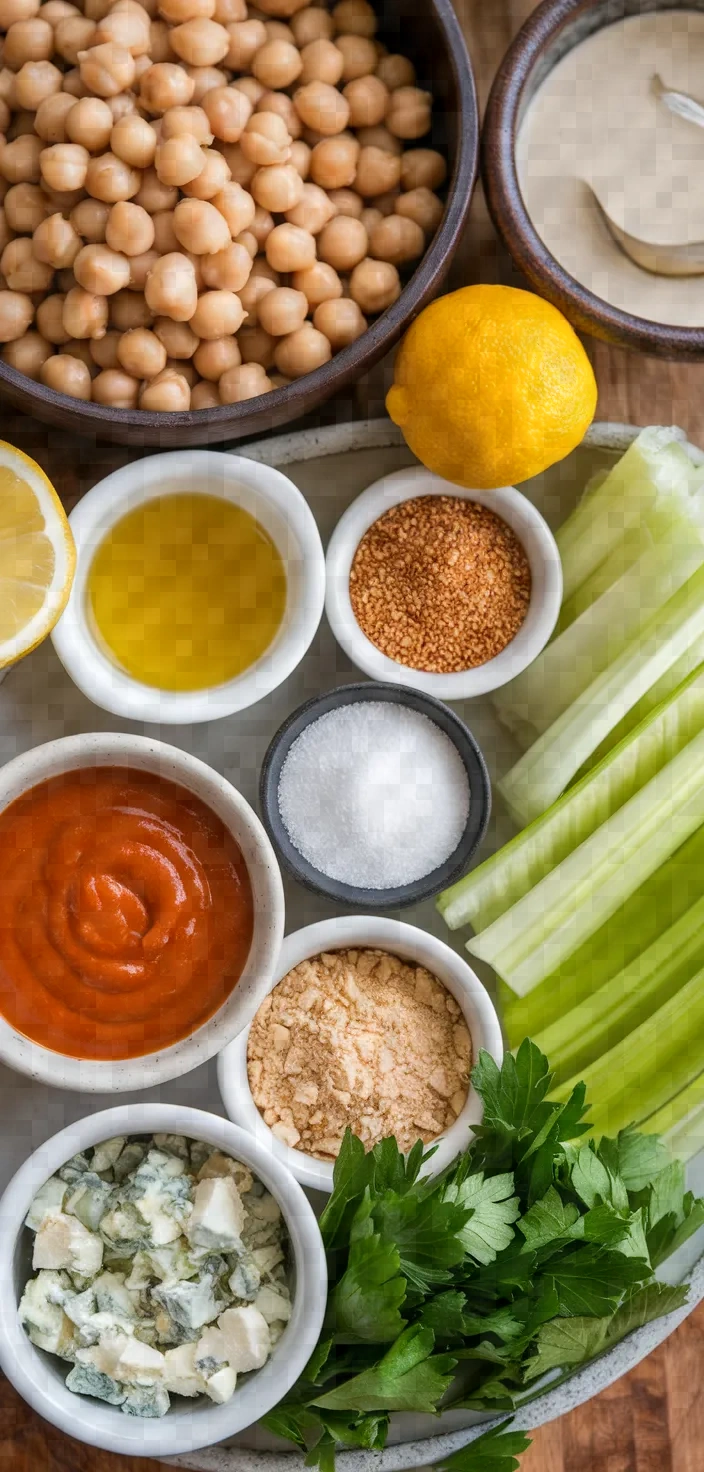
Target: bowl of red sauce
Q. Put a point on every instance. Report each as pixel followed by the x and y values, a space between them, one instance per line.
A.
pixel 141 912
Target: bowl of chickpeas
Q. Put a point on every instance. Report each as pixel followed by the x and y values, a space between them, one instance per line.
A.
pixel 214 216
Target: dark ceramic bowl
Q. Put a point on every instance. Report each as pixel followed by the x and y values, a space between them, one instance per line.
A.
pixel 376 899
pixel 428 32
pixel 551 31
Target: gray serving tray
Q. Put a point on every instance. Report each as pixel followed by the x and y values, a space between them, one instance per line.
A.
pixel 38 703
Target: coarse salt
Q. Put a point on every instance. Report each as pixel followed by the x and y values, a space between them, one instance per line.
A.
pixel 374 795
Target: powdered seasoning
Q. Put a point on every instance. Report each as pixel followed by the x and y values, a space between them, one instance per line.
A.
pixel 440 584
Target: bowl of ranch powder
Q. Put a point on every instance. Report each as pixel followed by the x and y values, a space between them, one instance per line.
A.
pixel 375 795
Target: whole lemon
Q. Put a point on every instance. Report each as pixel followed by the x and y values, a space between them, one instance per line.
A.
pixel 491 386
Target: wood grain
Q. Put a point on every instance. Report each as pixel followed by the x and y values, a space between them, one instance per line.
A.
pixel 653 1419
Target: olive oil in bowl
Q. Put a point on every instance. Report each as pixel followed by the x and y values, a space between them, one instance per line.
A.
pixel 187 592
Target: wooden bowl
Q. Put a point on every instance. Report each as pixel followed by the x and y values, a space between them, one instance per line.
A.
pixel 551 31
pixel 428 32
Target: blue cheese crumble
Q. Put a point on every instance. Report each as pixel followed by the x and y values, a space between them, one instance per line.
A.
pixel 160 1270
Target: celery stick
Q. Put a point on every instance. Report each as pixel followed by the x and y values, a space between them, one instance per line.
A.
pixel 484 894
pixel 660 691
pixel 570 663
pixel 545 770
pixel 618 1007
pixel 681 1120
pixel 658 904
pixel 653 464
pixel 570 903
pixel 658 1059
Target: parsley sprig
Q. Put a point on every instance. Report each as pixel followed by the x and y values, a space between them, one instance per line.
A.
pixel 533 1252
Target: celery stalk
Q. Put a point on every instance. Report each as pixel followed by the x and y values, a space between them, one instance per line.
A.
pixel 571 662
pixel 571 902
pixel 545 770
pixel 483 895
pixel 653 464
pixel 658 904
pixel 660 691
pixel 681 1120
pixel 615 1009
pixel 659 1058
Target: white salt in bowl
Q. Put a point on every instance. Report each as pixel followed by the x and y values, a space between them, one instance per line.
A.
pixel 538 544
pixel 411 944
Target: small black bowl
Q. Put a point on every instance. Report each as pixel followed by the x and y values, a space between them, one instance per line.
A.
pixel 376 899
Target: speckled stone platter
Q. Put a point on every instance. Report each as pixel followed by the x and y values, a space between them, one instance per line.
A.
pixel 38 702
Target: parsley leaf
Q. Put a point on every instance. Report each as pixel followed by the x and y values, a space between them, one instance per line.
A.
pixel 493 1209
pixel 496 1451
pixel 351 1176
pixel 592 1281
pixel 409 1377
pixel 548 1219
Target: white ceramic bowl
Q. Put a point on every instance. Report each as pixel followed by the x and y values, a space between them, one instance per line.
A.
pixel 546 593
pixel 39 1377
pixel 143 754
pixel 277 505
pixel 402 940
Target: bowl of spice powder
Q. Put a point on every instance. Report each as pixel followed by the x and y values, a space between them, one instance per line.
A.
pixel 449 590
pixel 373 1025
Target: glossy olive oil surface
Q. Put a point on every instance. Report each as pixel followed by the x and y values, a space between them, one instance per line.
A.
pixel 187 592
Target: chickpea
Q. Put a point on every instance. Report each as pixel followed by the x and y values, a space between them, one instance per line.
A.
pixel 371 217
pixel 160 48
pixel 140 266
pixel 205 396
pixel 200 227
pixel 134 141
pixel 35 81
pixel 50 320
pixel 228 269
pixel 281 311
pixel 85 314
pixel 359 56
pixel 107 69
pixel 129 309
pixel 246 38
pixel 165 238
pixel 103 350
pixel 129 229
pixel 115 388
pixel 12 10
pixel 277 64
pixel 64 166
pixel 385 204
pixel 73 34
pixel 356 17
pixel 283 106
pixel 302 351
pixel 266 139
pixel 300 157
pixel 249 241
pixel 245 381
pixel 346 202
pixel 184 368
pixel 153 196
pixel 397 239
pixel 377 172
pixel 289 248
pixel 228 111
pixel 277 30
pixel 313 211
pixel 251 295
pixel 110 179
pixel 140 353
pixel 322 107
pixel 66 375
pixel 236 206
pixel 177 338
pixel 27 354
pixel 80 348
pixel 230 12
pixel 171 289
pixel 408 113
pixel 277 188
pixel 422 206
pixel 5 231
pixel 52 115
pixel 101 270
pixel 122 106
pixel 169 392
pixel 178 161
pixel 204 78
pixel 28 40
pixel 127 24
pixel 21 269
pixel 56 10
pixel 374 285
pixel 89 219
pixel 91 124
pixel 333 163
pixel 379 137
pixel 396 71
pixel 321 62
pixel 56 242
pixel 211 359
pixel 256 346
pixel 343 243
pixel 200 42
pixel 312 24
pixel 218 314
pixel 422 168
pixel 74 84
pixel 189 121
pixel 166 85
pixel 340 321
pixel 368 101
pixel 178 11
pixel 25 208
pixel 16 314
pixel 319 283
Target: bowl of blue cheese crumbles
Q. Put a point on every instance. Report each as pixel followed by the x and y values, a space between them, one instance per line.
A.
pixel 162 1281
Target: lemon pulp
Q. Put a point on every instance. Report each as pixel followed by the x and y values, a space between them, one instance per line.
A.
pixel 187 591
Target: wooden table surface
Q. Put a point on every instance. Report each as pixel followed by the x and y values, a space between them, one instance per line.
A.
pixel 653 1419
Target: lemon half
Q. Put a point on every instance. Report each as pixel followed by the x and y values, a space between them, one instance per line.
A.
pixel 37 555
